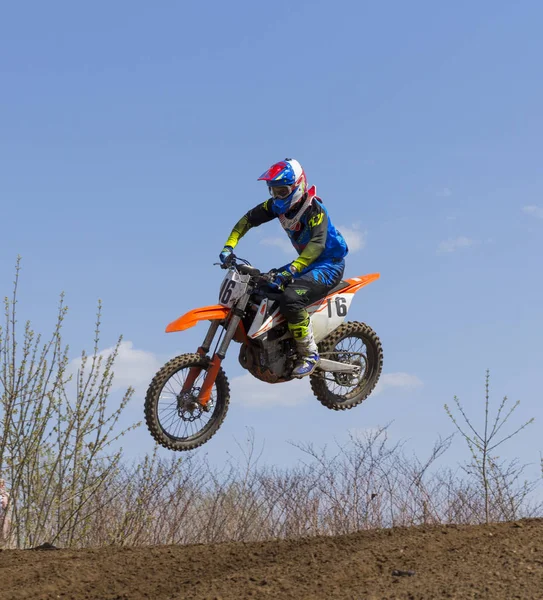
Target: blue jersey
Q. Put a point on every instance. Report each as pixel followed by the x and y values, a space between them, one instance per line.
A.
pixel 320 246
pixel 316 232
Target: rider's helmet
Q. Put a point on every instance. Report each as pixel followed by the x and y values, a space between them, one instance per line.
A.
pixel 287 184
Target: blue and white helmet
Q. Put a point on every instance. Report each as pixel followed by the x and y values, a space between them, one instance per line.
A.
pixel 287 184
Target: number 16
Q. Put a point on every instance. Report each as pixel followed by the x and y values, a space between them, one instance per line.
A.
pixel 340 305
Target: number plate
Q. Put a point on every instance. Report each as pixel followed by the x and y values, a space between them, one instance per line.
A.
pixel 337 307
pixel 232 288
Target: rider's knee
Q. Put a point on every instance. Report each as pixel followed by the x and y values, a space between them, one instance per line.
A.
pixel 290 307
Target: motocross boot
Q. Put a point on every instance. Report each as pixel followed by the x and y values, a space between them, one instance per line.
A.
pixel 308 353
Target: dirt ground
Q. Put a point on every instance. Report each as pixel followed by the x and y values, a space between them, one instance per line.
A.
pixel 495 562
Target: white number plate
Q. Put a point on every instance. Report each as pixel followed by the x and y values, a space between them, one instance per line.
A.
pixel 232 288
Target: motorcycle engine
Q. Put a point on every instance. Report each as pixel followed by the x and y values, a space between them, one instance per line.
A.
pixel 272 362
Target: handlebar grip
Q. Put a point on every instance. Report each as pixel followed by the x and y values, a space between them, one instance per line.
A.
pixel 231 258
pixel 248 270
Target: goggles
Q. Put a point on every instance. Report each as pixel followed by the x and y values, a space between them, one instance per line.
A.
pixel 280 191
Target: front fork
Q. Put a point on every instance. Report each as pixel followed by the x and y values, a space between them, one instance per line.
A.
pixel 202 351
pixel 215 364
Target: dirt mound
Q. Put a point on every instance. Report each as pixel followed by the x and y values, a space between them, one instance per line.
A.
pixel 498 561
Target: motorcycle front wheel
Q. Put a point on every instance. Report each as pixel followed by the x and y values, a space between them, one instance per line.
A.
pixel 174 417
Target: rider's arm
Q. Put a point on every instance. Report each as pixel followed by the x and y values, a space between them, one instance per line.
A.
pixel 255 217
pixel 318 224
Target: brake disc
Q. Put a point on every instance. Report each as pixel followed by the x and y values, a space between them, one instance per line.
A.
pixel 188 407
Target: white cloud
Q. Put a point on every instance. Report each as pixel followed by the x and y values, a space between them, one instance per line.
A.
pixel 535 211
pixel 250 392
pixel 356 239
pixel 453 244
pixel 132 367
pixel 404 381
pixel 281 243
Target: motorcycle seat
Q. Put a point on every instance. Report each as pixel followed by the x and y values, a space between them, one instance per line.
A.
pixel 340 286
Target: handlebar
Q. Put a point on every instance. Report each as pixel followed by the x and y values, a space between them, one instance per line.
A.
pixel 248 270
pixel 245 268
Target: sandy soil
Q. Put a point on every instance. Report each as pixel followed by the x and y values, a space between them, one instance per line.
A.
pixel 503 561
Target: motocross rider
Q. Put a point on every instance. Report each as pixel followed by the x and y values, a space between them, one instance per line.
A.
pixel 321 252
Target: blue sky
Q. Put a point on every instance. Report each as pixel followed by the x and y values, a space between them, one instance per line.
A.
pixel 131 137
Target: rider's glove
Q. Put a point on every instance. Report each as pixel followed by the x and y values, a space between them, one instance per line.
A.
pixel 282 279
pixel 225 254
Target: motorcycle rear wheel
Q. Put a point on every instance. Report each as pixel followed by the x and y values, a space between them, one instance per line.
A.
pixel 337 391
pixel 181 409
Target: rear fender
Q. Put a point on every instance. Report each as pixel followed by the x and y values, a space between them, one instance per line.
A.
pixel 330 312
pixel 356 283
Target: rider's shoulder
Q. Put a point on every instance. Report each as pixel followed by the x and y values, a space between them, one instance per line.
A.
pixel 264 208
pixel 317 206
pixel 267 206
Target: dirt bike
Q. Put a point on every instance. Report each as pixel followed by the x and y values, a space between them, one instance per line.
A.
pixel 188 398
